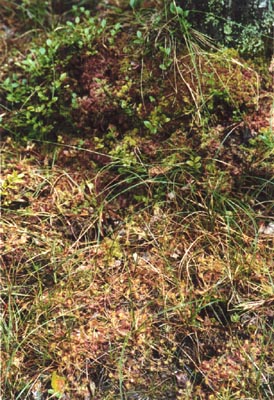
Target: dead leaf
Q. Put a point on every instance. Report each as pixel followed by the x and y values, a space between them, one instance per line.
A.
pixel 58 383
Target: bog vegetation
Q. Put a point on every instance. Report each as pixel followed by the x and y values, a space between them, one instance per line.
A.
pixel 137 202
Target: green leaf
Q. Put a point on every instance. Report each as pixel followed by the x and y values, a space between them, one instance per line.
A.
pixel 133 3
pixel 117 26
pixel 42 50
pixel 148 125
pixel 63 76
pixel 103 23
pixel 227 29
pixel 175 9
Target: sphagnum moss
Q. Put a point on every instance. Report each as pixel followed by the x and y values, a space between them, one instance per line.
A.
pixel 133 262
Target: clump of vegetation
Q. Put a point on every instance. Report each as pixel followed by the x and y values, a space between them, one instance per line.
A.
pixel 246 26
pixel 137 205
pixel 39 93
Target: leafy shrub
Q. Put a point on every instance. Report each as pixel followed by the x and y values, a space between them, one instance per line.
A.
pixel 39 96
pixel 77 66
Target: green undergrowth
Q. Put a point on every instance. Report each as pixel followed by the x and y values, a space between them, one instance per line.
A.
pixel 136 193
pixel 72 78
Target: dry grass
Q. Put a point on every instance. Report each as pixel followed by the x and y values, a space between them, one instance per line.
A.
pixel 169 300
